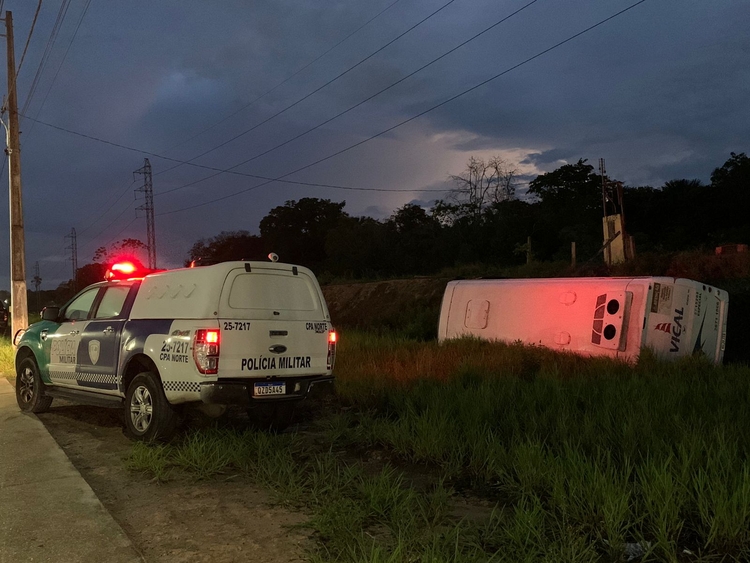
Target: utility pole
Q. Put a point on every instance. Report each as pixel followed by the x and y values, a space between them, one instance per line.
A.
pixel 148 189
pixel 19 307
pixel 609 227
pixel 618 245
pixel 603 172
pixel 37 284
pixel 73 255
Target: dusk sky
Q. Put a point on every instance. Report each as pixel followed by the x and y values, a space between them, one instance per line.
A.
pixel 660 91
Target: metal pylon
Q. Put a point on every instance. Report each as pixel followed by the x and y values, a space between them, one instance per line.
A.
pixel 148 207
pixel 73 255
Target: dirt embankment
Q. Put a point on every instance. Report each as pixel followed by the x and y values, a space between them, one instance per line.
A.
pixel 393 303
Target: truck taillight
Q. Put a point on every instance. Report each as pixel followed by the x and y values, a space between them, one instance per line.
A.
pixel 206 348
pixel 332 338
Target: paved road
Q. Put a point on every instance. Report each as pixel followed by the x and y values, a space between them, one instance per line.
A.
pixel 47 510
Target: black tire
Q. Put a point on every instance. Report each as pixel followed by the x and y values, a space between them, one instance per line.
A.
pixel 148 415
pixel 273 416
pixel 30 388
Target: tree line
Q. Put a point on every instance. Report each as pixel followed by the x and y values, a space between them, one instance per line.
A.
pixel 481 221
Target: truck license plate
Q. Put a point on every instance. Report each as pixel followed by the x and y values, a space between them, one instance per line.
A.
pixel 272 388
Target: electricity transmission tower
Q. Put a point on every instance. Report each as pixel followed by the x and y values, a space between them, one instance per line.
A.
pixel 73 255
pixel 37 280
pixel 148 190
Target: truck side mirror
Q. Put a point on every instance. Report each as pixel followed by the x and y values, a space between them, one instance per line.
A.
pixel 50 313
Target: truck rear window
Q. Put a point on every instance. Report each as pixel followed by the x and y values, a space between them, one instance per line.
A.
pixel 272 292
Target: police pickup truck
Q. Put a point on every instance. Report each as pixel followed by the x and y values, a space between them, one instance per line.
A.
pixel 256 334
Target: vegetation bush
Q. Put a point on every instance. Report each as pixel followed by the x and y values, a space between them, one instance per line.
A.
pixel 7 353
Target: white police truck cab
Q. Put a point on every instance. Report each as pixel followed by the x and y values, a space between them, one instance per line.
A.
pixel 255 334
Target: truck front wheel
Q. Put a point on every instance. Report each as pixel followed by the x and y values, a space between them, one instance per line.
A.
pixel 148 415
pixel 29 388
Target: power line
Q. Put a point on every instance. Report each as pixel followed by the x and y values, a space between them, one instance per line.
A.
pixel 92 240
pixel 102 215
pixel 392 85
pixel 62 62
pixel 58 271
pixel 416 116
pixel 331 81
pixel 214 168
pixel 226 118
pixel 287 79
pixel 28 39
pixel 122 193
pixel 282 178
pixel 110 241
pixel 127 186
pixel 129 208
pixel 47 51
pixel 60 265
pixel 541 53
pixel 311 184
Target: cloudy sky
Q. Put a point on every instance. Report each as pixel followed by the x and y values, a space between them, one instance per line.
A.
pixel 660 91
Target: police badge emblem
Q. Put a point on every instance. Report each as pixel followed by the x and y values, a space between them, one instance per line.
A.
pixel 94 347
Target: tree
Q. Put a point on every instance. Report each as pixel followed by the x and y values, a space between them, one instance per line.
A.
pixel 128 246
pixel 226 246
pixel 570 204
pixel 730 200
pixel 358 247
pixel 297 230
pixel 506 228
pixel 415 240
pixel 480 185
pixel 735 170
pixel 685 213
pixel 572 185
pixel 644 210
pixel 89 274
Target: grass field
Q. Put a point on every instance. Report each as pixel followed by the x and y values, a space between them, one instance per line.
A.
pixel 7 351
pixel 6 359
pixel 473 451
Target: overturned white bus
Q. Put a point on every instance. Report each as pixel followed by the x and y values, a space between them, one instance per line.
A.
pixel 616 317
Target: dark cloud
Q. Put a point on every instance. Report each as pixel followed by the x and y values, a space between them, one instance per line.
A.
pixel 660 92
pixel 553 156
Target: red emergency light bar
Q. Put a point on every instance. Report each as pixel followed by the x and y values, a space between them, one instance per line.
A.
pixel 123 267
pixel 127 269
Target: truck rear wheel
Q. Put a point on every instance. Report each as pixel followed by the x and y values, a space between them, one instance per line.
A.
pixel 148 415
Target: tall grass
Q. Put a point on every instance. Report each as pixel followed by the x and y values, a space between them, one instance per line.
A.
pixel 619 453
pixel 7 353
pixel 583 459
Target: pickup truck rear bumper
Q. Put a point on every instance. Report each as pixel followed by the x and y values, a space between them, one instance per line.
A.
pixel 240 392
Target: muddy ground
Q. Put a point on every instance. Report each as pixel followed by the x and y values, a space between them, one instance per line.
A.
pixel 181 520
